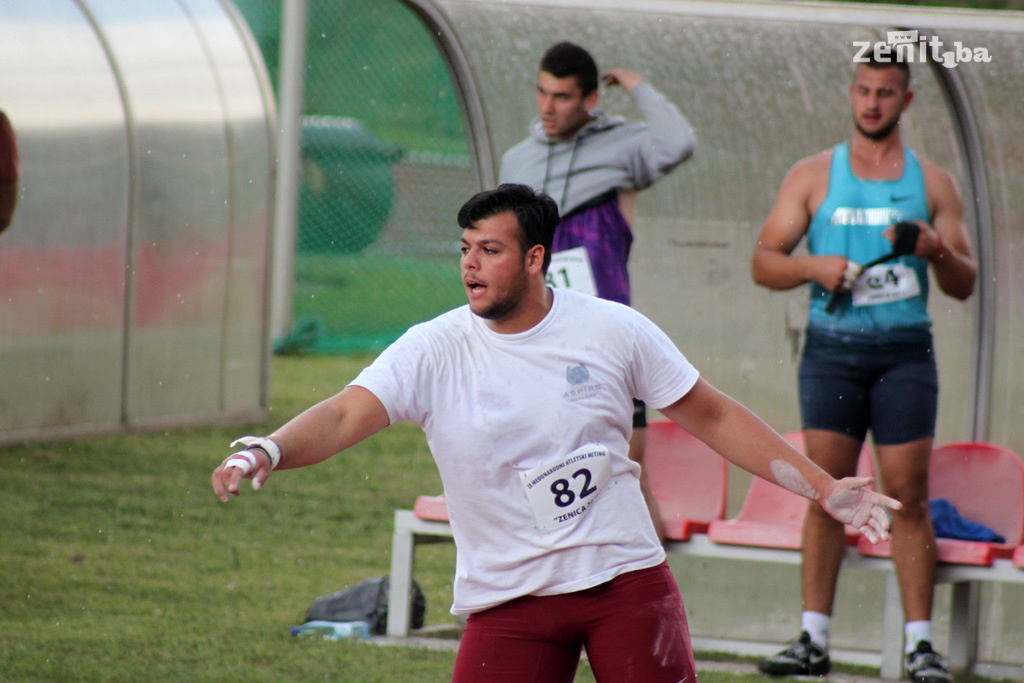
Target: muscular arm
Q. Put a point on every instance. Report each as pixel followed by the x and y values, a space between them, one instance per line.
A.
pixel 315 435
pixel 773 265
pixel 744 439
pixel 953 265
pixel 330 427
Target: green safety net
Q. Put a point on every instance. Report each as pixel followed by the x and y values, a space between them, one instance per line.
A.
pixel 385 167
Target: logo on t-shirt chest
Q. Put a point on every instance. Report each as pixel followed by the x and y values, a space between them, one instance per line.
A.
pixel 579 383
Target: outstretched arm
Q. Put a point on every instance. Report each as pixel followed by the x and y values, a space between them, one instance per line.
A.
pixel 741 437
pixel 315 435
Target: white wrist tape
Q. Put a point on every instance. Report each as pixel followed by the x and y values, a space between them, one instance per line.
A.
pixel 243 460
pixel 268 445
pixel 850 275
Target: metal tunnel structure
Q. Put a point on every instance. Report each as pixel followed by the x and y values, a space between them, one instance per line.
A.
pixel 133 279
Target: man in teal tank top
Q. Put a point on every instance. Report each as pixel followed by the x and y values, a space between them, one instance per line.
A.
pixel 868 361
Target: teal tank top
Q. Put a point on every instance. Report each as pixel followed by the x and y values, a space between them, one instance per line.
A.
pixel 850 222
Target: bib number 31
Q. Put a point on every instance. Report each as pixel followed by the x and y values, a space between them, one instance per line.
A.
pixel 570 269
pixel 560 493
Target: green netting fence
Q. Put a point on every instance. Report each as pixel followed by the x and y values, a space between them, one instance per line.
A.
pixel 385 168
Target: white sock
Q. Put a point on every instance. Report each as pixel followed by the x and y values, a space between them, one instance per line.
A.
pixel 915 632
pixel 816 624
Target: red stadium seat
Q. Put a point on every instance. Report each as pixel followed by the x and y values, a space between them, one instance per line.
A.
pixel 986 485
pixel 1018 557
pixel 771 516
pixel 432 508
pixel 688 479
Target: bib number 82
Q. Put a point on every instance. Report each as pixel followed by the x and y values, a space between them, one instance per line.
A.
pixel 562 489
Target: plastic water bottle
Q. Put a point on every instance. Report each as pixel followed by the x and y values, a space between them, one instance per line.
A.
pixel 333 630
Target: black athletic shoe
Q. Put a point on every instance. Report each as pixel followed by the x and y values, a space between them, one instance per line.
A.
pixel 802 658
pixel 926 666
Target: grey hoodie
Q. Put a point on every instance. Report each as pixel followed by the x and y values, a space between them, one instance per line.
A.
pixel 606 154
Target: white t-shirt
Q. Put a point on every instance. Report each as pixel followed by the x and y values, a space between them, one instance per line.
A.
pixel 530 433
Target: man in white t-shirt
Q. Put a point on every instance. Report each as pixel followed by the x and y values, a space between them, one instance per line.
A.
pixel 525 397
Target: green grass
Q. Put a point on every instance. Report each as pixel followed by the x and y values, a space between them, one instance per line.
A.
pixel 118 564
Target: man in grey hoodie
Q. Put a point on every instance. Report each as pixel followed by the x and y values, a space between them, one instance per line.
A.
pixel 592 164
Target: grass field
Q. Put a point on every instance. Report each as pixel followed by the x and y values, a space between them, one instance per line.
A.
pixel 119 564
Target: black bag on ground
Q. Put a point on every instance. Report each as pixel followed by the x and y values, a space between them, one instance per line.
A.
pixel 365 601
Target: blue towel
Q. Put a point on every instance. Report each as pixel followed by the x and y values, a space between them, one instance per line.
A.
pixel 949 524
